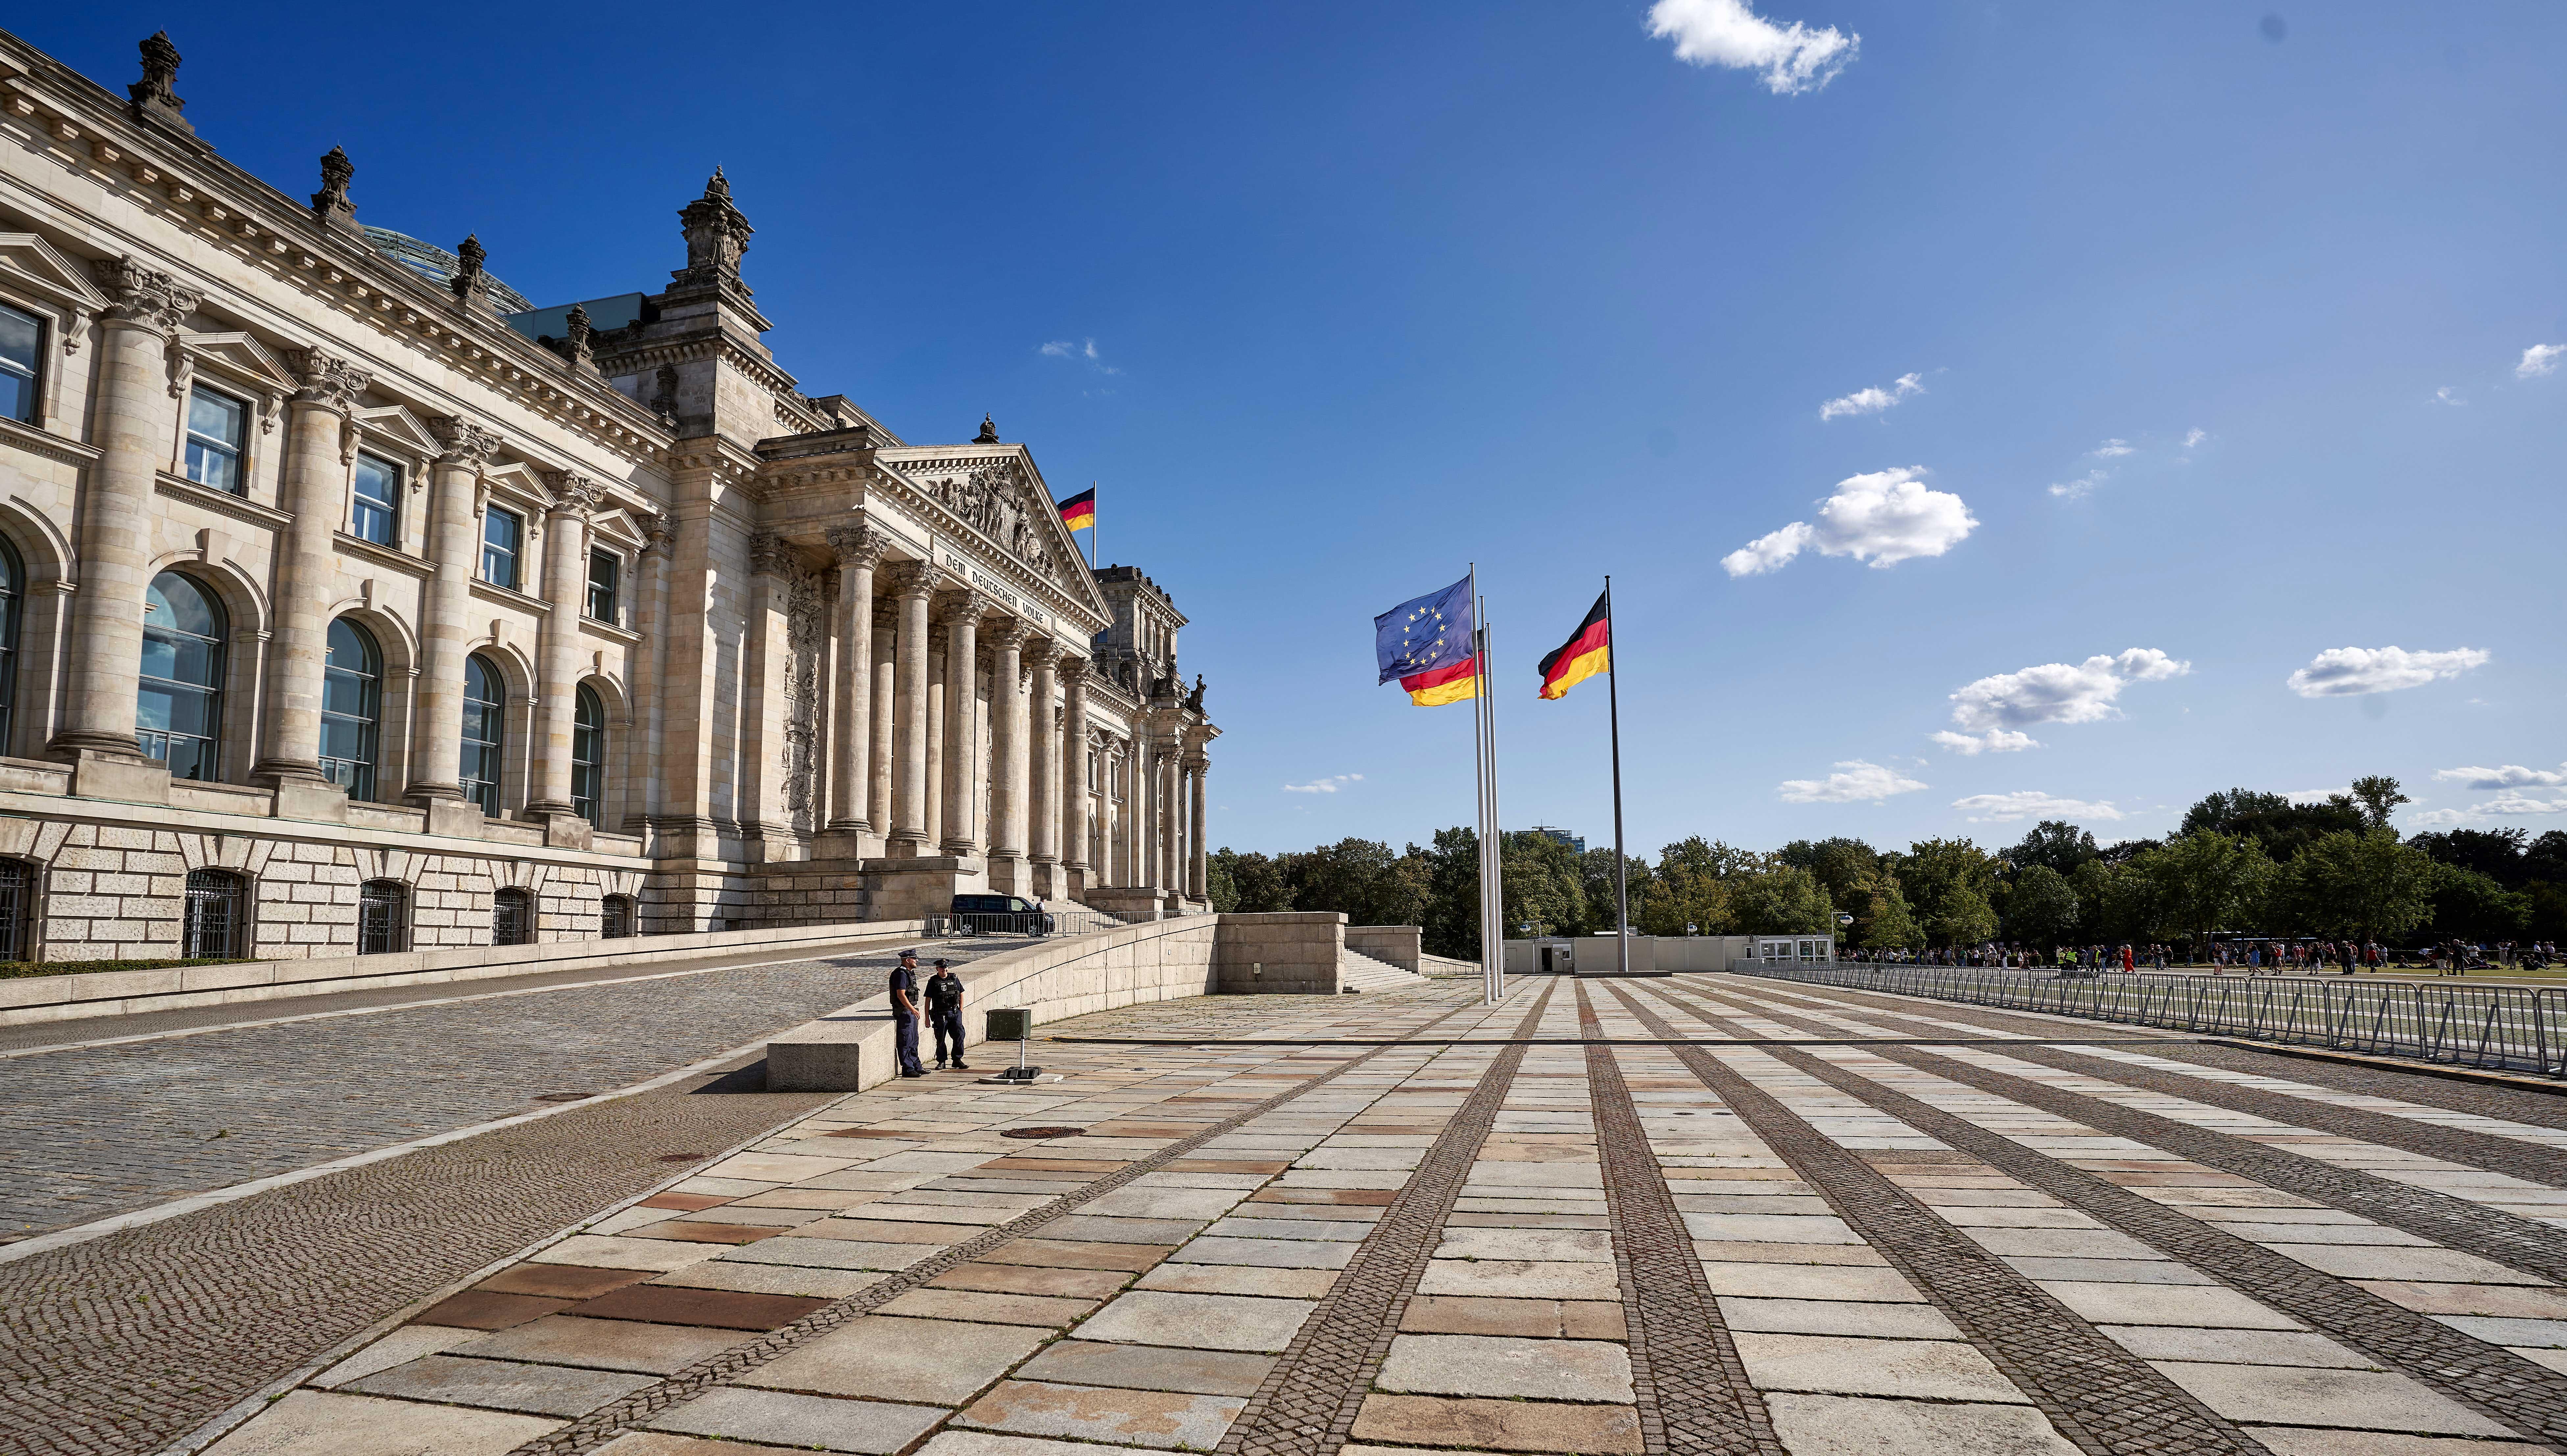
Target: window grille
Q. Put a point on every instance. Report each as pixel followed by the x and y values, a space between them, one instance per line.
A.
pixel 512 918
pixel 615 919
pixel 215 919
pixel 382 922
pixel 17 904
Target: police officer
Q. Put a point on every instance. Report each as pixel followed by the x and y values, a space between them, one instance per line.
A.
pixel 904 1015
pixel 945 1014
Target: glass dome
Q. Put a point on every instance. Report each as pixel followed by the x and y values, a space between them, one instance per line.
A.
pixel 437 266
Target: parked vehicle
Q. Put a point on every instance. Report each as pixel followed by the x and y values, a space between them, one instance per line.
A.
pixel 1001 915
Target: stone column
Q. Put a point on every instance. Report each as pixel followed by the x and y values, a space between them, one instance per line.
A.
pixel 316 471
pixel 134 432
pixel 962 745
pixel 650 668
pixel 436 751
pixel 1008 722
pixel 1166 820
pixel 912 583
pixel 885 707
pixel 1074 799
pixel 1199 866
pixel 761 757
pixel 1042 800
pixel 557 651
pixel 860 549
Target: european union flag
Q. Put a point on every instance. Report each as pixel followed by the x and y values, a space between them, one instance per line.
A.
pixel 1431 632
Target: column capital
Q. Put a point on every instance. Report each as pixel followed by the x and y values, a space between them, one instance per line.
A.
pixel 857 546
pixel 658 530
pixel 1073 671
pixel 1195 762
pixel 768 555
pixel 144 296
pixel 1043 652
pixel 329 382
pixel 464 443
pixel 1010 633
pixel 959 608
pixel 913 580
pixel 574 493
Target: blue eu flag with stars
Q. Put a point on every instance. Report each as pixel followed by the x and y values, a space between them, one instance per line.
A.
pixel 1434 631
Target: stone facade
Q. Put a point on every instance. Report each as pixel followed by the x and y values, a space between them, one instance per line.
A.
pixel 340 574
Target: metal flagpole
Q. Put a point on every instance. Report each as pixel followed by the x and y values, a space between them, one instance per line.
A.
pixel 1480 789
pixel 1092 533
pixel 1621 868
pixel 1493 899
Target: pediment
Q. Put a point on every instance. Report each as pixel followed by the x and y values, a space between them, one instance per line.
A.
pixel 997 491
pixel 518 482
pixel 398 427
pixel 32 262
pixel 243 358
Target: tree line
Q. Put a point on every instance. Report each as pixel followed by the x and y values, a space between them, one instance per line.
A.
pixel 2243 861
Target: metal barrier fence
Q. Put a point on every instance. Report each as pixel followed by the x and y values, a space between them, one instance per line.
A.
pixel 2507 1028
pixel 1069 920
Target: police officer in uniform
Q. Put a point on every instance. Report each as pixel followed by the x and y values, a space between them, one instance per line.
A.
pixel 945 1014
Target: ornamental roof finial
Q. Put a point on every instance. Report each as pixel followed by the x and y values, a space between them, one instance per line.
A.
pixel 989 432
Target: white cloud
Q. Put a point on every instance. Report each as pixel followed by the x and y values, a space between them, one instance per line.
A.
pixel 2511 775
pixel 2449 396
pixel 1873 400
pixel 2081 487
pixel 2436 818
pixel 1853 782
pixel 2032 804
pixel 2538 360
pixel 1994 740
pixel 1083 350
pixel 2346 672
pixel 2113 448
pixel 1329 785
pixel 1793 58
pixel 2315 796
pixel 1997 708
pixel 2522 803
pixel 1883 517
pixel 2194 437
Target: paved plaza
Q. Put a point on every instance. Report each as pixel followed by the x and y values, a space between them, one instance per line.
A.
pixel 1690 1214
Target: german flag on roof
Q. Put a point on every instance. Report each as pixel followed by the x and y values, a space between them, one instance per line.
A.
pixel 1589 651
pixel 1078 513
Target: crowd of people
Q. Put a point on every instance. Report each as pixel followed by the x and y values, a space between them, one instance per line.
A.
pixel 2256 956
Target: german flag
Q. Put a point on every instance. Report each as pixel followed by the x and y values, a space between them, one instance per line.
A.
pixel 1589 651
pixel 1078 513
pixel 1444 685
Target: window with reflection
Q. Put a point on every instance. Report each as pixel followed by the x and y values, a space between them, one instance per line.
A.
pixel 503 539
pixel 217 426
pixel 588 757
pixel 179 715
pixel 374 515
pixel 605 580
pixel 22 344
pixel 12 586
pixel 351 703
pixel 485 699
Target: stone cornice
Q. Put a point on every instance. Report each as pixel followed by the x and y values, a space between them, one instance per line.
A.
pixel 1083 605
pixel 77 122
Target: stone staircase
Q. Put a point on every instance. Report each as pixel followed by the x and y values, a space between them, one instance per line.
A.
pixel 1358 974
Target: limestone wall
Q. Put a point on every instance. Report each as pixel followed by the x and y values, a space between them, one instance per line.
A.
pixel 1285 953
pixel 1400 945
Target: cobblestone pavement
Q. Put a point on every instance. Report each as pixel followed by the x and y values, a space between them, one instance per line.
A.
pixel 88 1132
pixel 1410 1223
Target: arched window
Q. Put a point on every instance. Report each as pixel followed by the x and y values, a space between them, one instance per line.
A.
pixel 179 716
pixel 382 917
pixel 216 923
pixel 13 585
pixel 588 758
pixel 484 718
pixel 17 910
pixel 352 706
pixel 512 918
pixel 615 918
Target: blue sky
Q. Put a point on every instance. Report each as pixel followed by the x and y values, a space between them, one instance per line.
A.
pixel 2221 333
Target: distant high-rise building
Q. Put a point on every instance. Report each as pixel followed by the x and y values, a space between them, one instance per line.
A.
pixel 1576 842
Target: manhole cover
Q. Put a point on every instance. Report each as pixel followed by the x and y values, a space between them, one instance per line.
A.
pixel 684 1157
pixel 1041 1132
pixel 562 1096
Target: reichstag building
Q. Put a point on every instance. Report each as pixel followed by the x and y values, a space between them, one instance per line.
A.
pixel 351 602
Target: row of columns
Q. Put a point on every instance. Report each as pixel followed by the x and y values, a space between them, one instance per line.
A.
pixel 134 428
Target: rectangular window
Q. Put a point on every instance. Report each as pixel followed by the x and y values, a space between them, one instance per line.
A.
pixel 503 536
pixel 215 431
pixel 376 513
pixel 22 338
pixel 604 574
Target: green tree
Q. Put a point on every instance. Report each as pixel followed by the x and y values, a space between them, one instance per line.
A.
pixel 2206 880
pixel 1844 866
pixel 2477 906
pixel 2365 885
pixel 1542 886
pixel 1596 879
pixel 1690 887
pixel 1452 919
pixel 2040 906
pixel 2280 826
pixel 1251 882
pixel 2054 843
pixel 1364 879
pixel 1781 899
pixel 1951 885
pixel 1884 921
pixel 2378 796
